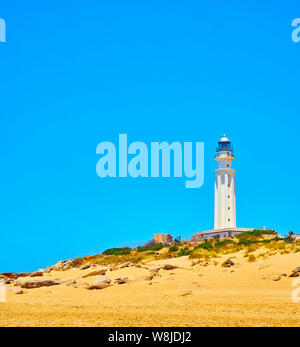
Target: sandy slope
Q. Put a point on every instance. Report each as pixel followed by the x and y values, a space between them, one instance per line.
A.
pixel 243 295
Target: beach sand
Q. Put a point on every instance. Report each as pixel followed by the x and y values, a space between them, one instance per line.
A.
pixel 245 294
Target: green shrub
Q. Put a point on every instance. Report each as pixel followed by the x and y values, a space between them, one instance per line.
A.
pixel 184 251
pixel 205 245
pixel 117 251
pixel 150 253
pixel 288 239
pixel 173 248
pixel 254 234
pixel 150 247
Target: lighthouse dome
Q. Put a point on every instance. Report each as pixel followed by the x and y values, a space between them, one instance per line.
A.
pixel 224 138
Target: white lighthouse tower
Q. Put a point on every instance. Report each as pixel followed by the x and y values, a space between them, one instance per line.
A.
pixel 225 214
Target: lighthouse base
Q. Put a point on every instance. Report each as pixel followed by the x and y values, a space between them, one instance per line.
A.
pixel 221 233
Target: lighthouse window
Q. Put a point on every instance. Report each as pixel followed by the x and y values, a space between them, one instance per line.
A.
pixel 228 219
pixel 227 165
pixel 228 207
pixel 228 196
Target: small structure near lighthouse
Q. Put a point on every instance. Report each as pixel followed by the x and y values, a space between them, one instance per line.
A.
pixel 225 207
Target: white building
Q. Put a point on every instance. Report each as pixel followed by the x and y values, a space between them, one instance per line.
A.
pixel 225 215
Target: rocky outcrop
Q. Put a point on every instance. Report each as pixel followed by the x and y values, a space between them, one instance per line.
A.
pixel 85 266
pixel 95 273
pixel 170 267
pixel 100 283
pixel 37 273
pixel 30 284
pixel 14 275
pixel 69 282
pixel 162 238
pixel 122 266
pixel 64 265
pixel 6 280
pixel 122 280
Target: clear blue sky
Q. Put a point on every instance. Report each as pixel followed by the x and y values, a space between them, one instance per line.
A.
pixel 75 73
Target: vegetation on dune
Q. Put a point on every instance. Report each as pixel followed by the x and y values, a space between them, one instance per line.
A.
pixel 151 246
pixel 173 248
pixel 249 241
pixel 117 251
pixel 184 251
pixel 265 241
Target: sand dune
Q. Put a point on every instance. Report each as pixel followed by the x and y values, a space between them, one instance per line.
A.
pixel 245 294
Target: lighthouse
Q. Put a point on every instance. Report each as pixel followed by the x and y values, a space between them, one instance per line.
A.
pixel 225 214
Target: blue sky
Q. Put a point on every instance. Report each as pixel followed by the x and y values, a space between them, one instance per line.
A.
pixel 76 73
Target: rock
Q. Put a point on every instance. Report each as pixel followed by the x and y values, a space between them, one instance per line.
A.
pixel 114 267
pixel 122 280
pixel 103 279
pixel 67 265
pixel 100 283
pixel 80 284
pixel 273 276
pixel 155 270
pixel 148 278
pixel 228 263
pixel 47 270
pixel 6 280
pixel 14 275
pixel 170 267
pixel 144 267
pixel 186 293
pixel 69 282
pixel 16 290
pixel 37 273
pixel 38 283
pixel 297 269
pixel 295 272
pixel 162 238
pixel 96 285
pixel 84 267
pixel 95 273
pixel 122 266
pixel 58 266
pixel 18 282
